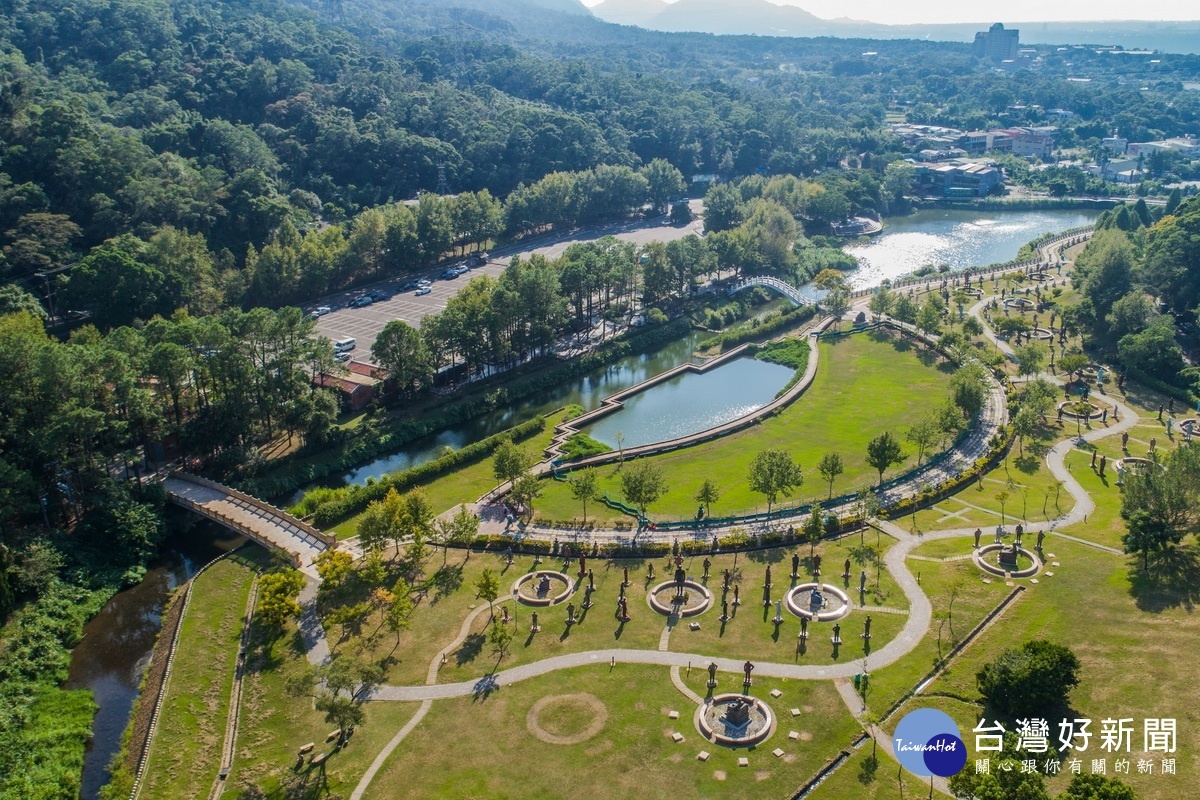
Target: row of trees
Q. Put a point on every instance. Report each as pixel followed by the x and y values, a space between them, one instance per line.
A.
pixel 70 409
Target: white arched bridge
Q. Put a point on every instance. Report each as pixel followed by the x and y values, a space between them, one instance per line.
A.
pixel 775 284
pixel 251 517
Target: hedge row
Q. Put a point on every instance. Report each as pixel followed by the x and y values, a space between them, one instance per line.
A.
pixel 1161 386
pixel 357 498
pixel 787 319
pixel 370 442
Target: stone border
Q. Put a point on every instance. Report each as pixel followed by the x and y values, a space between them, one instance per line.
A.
pixel 992 569
pixel 690 611
pixel 1062 408
pixel 615 402
pixel 718 738
pixel 1042 334
pixel 540 602
pixel 600 712
pixel 1019 303
pixel 823 616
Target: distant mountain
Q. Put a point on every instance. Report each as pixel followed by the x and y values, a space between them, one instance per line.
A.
pixel 629 12
pixel 760 17
pixel 563 6
pixel 739 17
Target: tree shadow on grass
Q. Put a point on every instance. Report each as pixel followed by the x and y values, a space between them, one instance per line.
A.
pixel 1027 463
pixel 773 555
pixel 445 581
pixel 867 770
pixel 470 649
pixel 1173 580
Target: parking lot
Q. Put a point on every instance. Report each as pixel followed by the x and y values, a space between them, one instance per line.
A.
pixel 364 324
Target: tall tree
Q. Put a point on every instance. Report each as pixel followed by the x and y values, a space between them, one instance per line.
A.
pixel 772 473
pixel 400 350
pixel 643 482
pixel 830 467
pixel 883 451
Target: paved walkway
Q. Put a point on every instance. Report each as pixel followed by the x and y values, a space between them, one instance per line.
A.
pixel 265 524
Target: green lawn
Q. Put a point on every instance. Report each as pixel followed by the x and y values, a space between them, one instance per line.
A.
pixel 274 725
pixel 186 751
pixel 865 384
pixel 750 634
pixel 1024 477
pixel 1128 633
pixel 484 748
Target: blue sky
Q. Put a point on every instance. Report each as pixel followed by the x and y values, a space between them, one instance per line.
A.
pixel 892 12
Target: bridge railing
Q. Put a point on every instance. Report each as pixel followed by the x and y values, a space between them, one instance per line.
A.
pixel 327 539
pixel 233 524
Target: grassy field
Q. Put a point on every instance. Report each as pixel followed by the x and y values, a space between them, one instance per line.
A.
pixel 442 605
pixel 865 384
pixel 275 725
pixel 483 747
pixel 186 752
pixel 1127 632
pixel 749 634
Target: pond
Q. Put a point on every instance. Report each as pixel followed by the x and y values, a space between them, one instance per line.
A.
pixel 693 402
pixel 960 238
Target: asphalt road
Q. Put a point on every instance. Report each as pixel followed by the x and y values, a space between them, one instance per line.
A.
pixel 364 324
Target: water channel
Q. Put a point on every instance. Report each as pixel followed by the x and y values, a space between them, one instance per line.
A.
pixel 118 641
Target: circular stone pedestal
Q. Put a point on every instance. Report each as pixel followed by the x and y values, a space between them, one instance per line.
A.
pixel 1066 409
pixel 1044 334
pixel 700 599
pixel 524 589
pixel 711 721
pixel 1134 464
pixel 992 565
pixel 837 602
pixel 1019 303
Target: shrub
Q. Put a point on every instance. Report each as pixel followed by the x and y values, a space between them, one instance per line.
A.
pixel 1032 679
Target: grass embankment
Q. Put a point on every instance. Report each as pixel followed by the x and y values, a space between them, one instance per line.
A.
pixel 186 751
pixel 865 385
pixel 472 747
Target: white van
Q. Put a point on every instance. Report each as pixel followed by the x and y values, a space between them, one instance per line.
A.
pixel 345 345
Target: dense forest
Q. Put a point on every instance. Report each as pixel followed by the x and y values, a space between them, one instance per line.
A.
pixel 176 176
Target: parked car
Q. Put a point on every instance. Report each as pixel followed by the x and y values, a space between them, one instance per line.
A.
pixel 408 286
pixel 477 259
pixel 360 302
pixel 449 275
pixel 343 357
pixel 424 282
pixel 423 291
pixel 379 295
pixel 320 311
